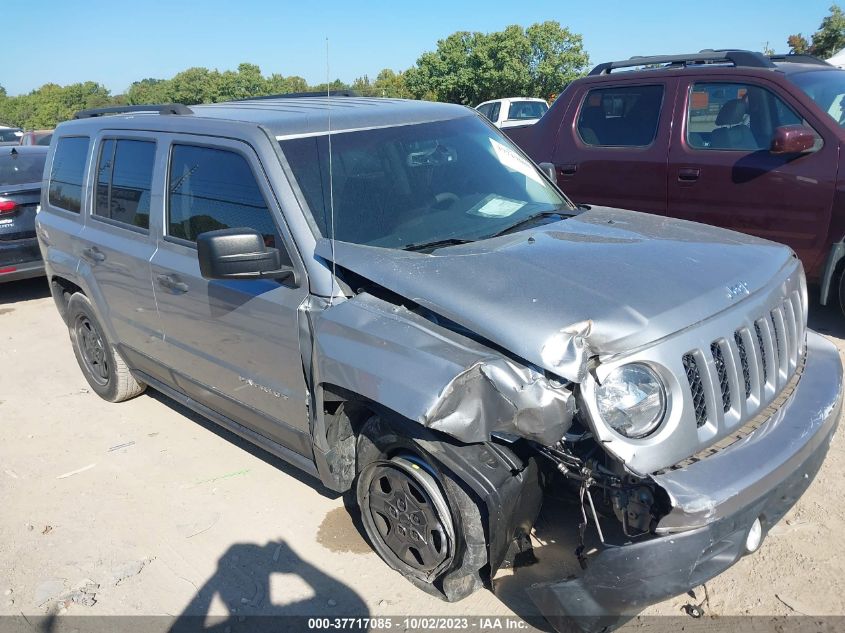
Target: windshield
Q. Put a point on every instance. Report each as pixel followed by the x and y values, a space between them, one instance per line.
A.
pixel 408 185
pixel 827 89
pixel 520 110
pixel 19 168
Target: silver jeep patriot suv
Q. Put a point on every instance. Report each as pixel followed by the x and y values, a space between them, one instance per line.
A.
pixel 391 296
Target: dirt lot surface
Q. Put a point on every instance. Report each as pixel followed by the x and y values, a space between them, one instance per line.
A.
pixel 145 508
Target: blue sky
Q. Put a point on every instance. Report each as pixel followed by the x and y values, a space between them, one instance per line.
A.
pixel 115 42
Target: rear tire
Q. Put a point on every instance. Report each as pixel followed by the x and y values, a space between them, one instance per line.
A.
pixel 101 364
pixel 418 517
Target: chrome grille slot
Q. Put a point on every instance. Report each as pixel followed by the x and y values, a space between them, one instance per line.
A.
pixel 743 360
pixel 722 372
pixel 696 388
pixel 761 350
pixel 779 333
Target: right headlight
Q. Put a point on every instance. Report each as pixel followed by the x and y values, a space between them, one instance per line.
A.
pixel 632 400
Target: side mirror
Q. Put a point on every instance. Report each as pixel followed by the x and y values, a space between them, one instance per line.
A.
pixel 792 139
pixel 239 253
pixel 549 170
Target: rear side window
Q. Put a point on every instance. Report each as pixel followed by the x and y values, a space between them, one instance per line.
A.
pixel 66 174
pixel 625 116
pixel 124 179
pixel 735 116
pixel 211 189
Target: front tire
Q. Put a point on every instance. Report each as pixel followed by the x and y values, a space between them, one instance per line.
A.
pixel 418 517
pixel 104 369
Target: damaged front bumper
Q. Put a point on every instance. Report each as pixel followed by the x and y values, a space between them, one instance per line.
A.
pixel 715 501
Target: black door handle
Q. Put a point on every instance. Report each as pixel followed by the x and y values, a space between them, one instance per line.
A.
pixel 688 174
pixel 568 170
pixel 94 254
pixel 172 282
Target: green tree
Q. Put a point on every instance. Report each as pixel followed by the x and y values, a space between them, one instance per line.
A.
pixel 469 67
pixel 827 41
pixel 830 38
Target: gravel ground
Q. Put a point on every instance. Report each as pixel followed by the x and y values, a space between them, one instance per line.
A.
pixel 144 508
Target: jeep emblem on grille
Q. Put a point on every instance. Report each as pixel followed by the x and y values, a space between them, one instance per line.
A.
pixel 738 290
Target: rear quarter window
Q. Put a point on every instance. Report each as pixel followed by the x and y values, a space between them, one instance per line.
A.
pixel 66 173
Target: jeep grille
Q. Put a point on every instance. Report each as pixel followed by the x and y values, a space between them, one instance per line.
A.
pixel 751 364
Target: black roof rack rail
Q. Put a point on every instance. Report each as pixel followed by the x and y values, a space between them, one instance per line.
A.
pixel 160 108
pixel 799 58
pixel 750 59
pixel 299 95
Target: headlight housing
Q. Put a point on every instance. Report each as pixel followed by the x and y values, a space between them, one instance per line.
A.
pixel 632 400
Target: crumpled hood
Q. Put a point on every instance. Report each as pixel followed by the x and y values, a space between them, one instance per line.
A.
pixel 602 282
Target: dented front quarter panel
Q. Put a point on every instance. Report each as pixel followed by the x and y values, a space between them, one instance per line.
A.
pixel 432 375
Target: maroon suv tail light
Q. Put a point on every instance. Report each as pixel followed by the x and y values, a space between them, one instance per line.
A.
pixel 7 206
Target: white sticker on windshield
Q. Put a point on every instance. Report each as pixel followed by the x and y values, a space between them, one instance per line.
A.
pixel 495 207
pixel 514 161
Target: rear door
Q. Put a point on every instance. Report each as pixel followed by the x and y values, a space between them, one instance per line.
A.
pixel 232 345
pixel 612 150
pixel 721 171
pixel 116 245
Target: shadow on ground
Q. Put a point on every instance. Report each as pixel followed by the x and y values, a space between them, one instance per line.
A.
pixel 243 583
pixel 25 290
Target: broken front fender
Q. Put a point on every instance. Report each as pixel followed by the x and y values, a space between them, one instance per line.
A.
pixel 435 376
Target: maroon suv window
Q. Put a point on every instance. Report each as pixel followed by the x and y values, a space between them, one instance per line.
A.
pixel 622 116
pixel 735 116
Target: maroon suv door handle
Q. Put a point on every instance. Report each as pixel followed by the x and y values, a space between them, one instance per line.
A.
pixel 568 170
pixel 688 174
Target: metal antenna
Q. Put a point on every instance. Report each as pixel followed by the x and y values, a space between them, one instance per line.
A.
pixel 331 174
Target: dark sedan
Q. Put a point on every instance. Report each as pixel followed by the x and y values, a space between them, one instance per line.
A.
pixel 20 193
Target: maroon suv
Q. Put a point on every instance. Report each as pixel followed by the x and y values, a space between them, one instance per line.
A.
pixel 731 138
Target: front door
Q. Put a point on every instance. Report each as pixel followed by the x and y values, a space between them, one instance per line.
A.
pixel 614 151
pixel 721 171
pixel 232 345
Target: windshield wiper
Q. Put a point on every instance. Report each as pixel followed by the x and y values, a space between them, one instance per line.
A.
pixel 449 241
pixel 529 219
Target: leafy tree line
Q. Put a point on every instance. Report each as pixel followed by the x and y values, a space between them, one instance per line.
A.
pixel 466 67
pixel 827 41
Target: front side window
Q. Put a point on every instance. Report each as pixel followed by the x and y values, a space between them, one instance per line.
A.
pixel 625 116
pixel 124 180
pixel 522 110
pixel 735 116
pixel 403 186
pixel 211 189
pixel 66 173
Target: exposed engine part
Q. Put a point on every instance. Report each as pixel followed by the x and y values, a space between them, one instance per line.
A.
pixel 634 508
pixel 632 500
